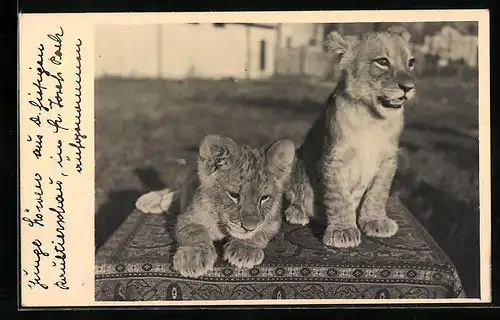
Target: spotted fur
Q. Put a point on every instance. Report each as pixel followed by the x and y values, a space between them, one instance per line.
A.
pixel 348 160
pixel 236 194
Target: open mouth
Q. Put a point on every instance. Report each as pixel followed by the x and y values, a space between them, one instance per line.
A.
pixel 392 103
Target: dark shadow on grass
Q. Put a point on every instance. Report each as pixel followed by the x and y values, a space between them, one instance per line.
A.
pixel 150 179
pixel 464 157
pixel 121 204
pixel 453 225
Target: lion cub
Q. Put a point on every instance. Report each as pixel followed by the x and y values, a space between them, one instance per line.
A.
pixel 349 157
pixel 236 193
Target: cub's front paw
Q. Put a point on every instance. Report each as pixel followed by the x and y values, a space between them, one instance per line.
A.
pixel 382 228
pixel 194 261
pixel 346 238
pixel 242 255
pixel 294 215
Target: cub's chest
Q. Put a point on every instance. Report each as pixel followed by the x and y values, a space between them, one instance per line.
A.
pixel 368 143
pixel 363 150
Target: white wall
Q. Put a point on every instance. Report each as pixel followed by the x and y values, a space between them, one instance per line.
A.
pixel 270 38
pixel 199 50
pixel 122 50
pixel 175 54
pixel 219 52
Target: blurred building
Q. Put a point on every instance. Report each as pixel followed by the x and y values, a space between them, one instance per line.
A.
pixel 202 50
pixel 257 50
pixel 300 50
pixel 297 35
pixel 450 45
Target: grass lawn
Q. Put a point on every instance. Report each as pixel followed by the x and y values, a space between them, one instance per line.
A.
pixel 143 128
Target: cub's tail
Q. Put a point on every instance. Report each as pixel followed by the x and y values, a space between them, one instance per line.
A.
pixel 160 201
pixel 157 202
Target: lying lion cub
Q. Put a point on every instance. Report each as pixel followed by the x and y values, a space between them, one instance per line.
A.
pixel 236 193
pixel 349 157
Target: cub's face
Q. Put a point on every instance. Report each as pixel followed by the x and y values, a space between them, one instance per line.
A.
pixel 247 195
pixel 244 185
pixel 378 68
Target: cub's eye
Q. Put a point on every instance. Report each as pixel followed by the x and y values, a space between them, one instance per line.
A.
pixel 382 62
pixel 411 63
pixel 263 199
pixel 234 196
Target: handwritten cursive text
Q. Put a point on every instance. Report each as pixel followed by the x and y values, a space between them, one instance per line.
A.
pixel 78 143
pixel 39 253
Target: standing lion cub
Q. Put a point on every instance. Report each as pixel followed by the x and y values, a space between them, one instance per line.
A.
pixel 236 193
pixel 349 157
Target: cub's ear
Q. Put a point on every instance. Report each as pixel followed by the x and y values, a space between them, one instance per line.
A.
pixel 280 157
pixel 400 31
pixel 217 152
pixel 336 44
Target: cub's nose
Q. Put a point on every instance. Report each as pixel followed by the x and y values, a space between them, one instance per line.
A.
pixel 406 86
pixel 250 223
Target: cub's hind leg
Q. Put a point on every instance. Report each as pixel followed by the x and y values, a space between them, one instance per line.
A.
pixel 301 197
pixel 373 220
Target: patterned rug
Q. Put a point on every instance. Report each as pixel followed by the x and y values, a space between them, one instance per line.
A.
pixel 136 264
